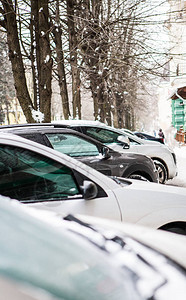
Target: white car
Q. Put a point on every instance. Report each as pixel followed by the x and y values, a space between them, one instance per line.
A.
pixel 163 157
pixel 47 179
pixel 48 256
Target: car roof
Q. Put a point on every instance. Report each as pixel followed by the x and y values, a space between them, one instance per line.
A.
pixel 51 129
pixel 33 125
pixel 71 123
pixel 54 124
pixel 41 129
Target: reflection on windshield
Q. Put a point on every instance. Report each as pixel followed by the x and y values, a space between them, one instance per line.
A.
pixel 144 269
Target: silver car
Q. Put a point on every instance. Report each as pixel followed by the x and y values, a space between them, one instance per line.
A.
pixel 163 157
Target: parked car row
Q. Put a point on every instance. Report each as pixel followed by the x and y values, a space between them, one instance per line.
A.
pixel 44 178
pixel 60 240
pixel 163 157
pixel 118 140
pixel 91 152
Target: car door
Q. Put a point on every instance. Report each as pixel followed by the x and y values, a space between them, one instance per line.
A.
pixel 80 149
pixel 39 181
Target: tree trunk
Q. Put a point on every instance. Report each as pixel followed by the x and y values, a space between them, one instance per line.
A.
pixel 16 61
pixel 114 111
pixel 34 52
pixel 45 67
pixel 76 97
pixel 57 32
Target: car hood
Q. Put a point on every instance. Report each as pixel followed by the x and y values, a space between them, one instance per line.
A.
pixel 148 143
pixel 138 185
pixel 151 204
pixel 131 156
pixel 151 142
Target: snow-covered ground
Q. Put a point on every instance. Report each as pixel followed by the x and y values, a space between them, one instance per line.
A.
pixel 180 179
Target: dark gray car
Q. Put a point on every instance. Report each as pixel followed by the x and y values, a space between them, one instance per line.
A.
pixel 91 152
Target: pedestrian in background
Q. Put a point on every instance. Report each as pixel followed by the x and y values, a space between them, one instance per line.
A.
pixel 161 134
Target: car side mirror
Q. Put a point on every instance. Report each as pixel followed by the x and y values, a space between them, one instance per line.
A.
pixel 90 190
pixel 124 140
pixel 105 152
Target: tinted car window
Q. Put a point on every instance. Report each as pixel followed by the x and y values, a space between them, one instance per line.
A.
pixel 72 145
pixel 103 135
pixel 106 136
pixel 140 135
pixel 26 175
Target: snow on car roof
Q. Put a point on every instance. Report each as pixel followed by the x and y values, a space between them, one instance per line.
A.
pixel 77 122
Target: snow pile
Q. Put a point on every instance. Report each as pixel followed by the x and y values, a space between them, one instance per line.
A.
pixel 180 179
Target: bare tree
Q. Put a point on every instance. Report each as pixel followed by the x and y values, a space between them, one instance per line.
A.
pixel 75 73
pixel 35 53
pixel 118 52
pixel 7 91
pixel 108 46
pixel 10 24
pixel 41 57
pixel 61 73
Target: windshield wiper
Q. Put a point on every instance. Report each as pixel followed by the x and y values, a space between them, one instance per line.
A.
pixel 127 253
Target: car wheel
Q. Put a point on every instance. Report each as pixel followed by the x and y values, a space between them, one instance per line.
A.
pixel 162 172
pixel 139 177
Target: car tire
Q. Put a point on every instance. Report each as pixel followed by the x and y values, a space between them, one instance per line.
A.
pixel 162 172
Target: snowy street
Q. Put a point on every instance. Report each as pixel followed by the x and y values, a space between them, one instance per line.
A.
pixel 180 179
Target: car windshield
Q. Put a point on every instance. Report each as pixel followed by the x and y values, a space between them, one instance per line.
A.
pixel 60 261
pixel 26 175
pixel 72 145
pixel 108 137
pixel 103 135
pixel 145 265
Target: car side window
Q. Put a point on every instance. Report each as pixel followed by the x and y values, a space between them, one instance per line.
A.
pixel 72 145
pixel 103 135
pixel 140 136
pixel 29 177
